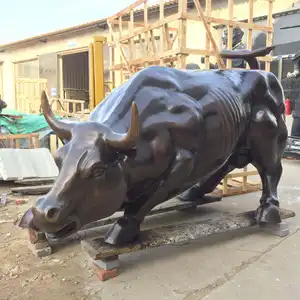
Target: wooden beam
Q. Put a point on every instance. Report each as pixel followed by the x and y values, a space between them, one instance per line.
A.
pixel 149 27
pixel 269 34
pixel 250 22
pixel 162 29
pixel 146 34
pixel 215 49
pixel 207 40
pixel 32 190
pixel 171 54
pixel 131 41
pixel 121 57
pixel 36 181
pixel 171 205
pixel 126 10
pixel 231 23
pixel 230 30
pixel 97 249
pixel 120 48
pixel 140 25
pixel 182 33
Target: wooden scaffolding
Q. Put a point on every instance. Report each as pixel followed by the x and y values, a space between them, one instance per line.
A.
pixel 136 42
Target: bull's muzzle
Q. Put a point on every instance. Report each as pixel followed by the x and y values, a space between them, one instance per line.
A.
pixel 49 214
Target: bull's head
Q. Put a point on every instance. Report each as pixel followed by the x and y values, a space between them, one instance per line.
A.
pixel 91 184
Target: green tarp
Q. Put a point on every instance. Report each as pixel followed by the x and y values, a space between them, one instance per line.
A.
pixel 28 124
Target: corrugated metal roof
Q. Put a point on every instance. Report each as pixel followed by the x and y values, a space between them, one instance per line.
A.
pixel 26 163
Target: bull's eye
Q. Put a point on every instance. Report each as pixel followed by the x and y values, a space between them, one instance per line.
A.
pixel 96 171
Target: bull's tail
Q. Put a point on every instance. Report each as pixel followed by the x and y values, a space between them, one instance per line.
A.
pixel 250 56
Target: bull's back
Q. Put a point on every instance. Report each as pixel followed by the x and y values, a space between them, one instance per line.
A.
pixel 178 99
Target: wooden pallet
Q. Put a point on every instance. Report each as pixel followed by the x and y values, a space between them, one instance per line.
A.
pixel 237 183
pixel 14 140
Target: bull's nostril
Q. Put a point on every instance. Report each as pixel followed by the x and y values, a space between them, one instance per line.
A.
pixel 52 213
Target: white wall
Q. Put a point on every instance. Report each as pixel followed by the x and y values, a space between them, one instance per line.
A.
pixel 53 46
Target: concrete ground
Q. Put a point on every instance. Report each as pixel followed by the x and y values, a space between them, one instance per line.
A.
pixel 248 264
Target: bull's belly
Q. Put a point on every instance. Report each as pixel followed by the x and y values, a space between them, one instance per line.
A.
pixel 210 159
pixel 205 170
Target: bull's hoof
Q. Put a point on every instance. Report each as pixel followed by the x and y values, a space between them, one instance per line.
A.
pixel 191 195
pixel 267 214
pixel 124 231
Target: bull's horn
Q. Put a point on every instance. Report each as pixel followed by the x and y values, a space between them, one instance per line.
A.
pixel 127 140
pixel 62 130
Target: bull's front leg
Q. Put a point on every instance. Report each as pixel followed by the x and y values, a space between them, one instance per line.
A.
pixel 127 228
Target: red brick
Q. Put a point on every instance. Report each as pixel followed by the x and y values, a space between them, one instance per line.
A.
pixel 20 201
pixel 106 274
pixel 35 236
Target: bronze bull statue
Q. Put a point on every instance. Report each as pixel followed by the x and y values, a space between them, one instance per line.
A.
pixel 162 133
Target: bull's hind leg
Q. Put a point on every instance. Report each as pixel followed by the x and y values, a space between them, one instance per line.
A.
pixel 239 159
pixel 200 189
pixel 267 139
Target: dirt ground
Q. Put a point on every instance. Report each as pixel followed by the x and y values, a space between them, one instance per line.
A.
pixel 24 276
pixel 182 272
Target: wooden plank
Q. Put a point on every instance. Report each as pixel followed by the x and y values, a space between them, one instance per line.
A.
pixel 19 136
pixel 121 57
pixel 269 34
pixel 234 191
pixel 131 41
pixel 120 48
pixel 230 29
pixel 231 23
pixel 250 21
pixel 162 29
pixel 151 58
pixel 207 40
pixel 35 181
pixel 174 52
pixel 146 34
pixel 97 249
pixel 241 174
pixel 182 33
pixel 211 38
pixel 167 36
pixel 149 27
pixel 171 205
pixel 153 46
pixel 32 190
pixel 249 181
pixel 127 9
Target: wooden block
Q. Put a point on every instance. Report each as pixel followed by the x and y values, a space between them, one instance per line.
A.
pixel 35 181
pixel 97 249
pixel 32 190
